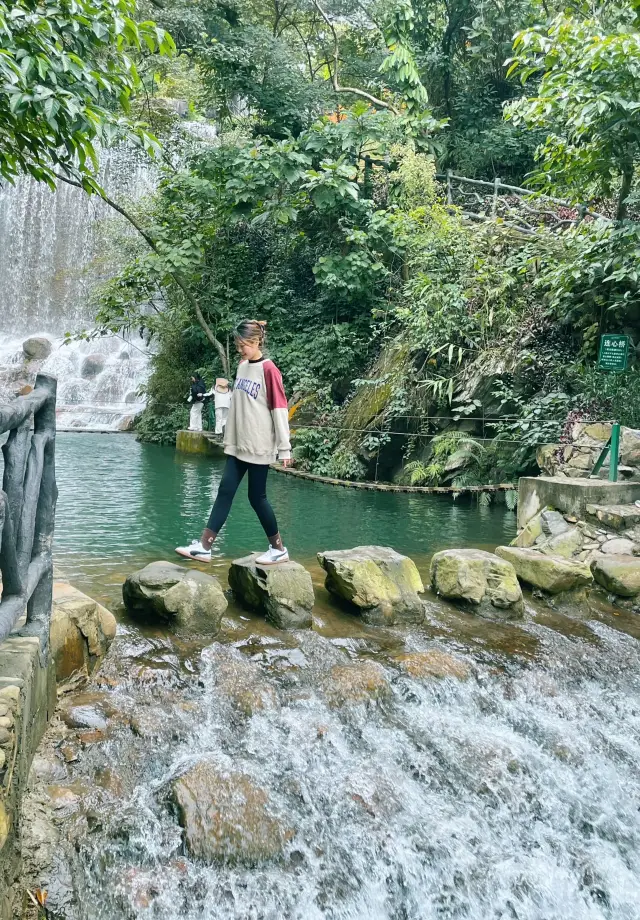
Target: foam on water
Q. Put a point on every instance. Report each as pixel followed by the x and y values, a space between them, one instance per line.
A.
pixel 103 400
pixel 512 795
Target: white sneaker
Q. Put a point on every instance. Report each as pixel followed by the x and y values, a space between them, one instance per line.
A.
pixel 195 550
pixel 273 556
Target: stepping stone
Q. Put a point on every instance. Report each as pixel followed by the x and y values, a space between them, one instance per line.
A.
pixel 552 574
pixel 171 593
pixel 478 580
pixel 282 592
pixel 379 583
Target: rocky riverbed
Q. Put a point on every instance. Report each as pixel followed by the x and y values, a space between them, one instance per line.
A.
pixel 457 767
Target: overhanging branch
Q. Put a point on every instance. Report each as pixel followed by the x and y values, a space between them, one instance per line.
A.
pixel 177 277
pixel 334 73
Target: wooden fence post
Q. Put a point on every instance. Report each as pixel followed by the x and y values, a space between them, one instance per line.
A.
pixel 494 204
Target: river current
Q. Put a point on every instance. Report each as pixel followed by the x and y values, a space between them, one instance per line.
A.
pixel 508 788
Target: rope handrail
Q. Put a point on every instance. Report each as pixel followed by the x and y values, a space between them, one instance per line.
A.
pixel 431 437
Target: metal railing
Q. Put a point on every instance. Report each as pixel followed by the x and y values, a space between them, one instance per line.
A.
pixel 520 208
pixel 27 510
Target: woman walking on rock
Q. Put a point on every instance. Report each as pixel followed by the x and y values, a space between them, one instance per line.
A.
pixel 256 434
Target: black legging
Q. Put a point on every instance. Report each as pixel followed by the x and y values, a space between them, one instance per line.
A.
pixel 231 478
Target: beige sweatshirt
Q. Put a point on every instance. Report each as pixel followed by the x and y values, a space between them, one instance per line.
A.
pixel 258 425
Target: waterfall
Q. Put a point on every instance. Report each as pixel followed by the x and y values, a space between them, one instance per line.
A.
pixel 53 255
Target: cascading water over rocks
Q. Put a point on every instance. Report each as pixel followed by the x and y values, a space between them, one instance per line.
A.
pixel 52 246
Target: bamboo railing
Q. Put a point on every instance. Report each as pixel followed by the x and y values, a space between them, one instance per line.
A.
pixel 519 208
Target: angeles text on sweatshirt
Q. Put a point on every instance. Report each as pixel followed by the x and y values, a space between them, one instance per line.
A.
pixel 258 425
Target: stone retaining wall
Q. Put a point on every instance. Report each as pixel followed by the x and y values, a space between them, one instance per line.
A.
pixel 81 631
pixel 27 699
pixel 577 458
pixel 199 442
pixel 570 496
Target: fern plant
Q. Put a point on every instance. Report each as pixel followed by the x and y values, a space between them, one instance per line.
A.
pixel 450 449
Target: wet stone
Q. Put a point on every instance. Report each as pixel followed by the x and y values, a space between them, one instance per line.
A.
pixel 357 682
pixel 283 593
pixel 90 717
pixel 434 663
pixel 239 682
pixel 227 816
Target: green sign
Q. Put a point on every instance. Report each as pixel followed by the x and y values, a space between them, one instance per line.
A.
pixel 614 350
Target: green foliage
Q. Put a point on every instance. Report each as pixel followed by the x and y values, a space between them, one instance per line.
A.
pixel 589 277
pixel 313 449
pixel 602 395
pixel 67 77
pixel 159 426
pixel 587 100
pixel 391 315
pixel 532 421
pixel 400 62
pixel 458 459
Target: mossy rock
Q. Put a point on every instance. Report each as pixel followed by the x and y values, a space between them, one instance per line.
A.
pixel 617 574
pixel 479 581
pixel 283 592
pixel 551 574
pixel 170 593
pixel 381 584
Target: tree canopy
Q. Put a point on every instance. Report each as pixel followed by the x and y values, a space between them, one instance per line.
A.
pixel 321 207
pixel 67 74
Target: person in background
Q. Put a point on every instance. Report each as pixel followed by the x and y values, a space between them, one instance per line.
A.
pixel 196 398
pixel 222 402
pixel 257 432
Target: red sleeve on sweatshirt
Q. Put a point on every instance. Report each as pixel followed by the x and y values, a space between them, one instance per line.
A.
pixel 273 382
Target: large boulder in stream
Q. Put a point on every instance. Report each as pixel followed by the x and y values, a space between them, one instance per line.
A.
pixel 480 581
pixel 552 574
pixel 227 816
pixel 283 593
pixel 171 593
pixel 380 583
pixel 617 574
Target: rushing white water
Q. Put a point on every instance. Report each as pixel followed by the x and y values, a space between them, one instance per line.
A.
pixel 513 795
pixel 52 246
pixel 53 255
pixel 98 381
